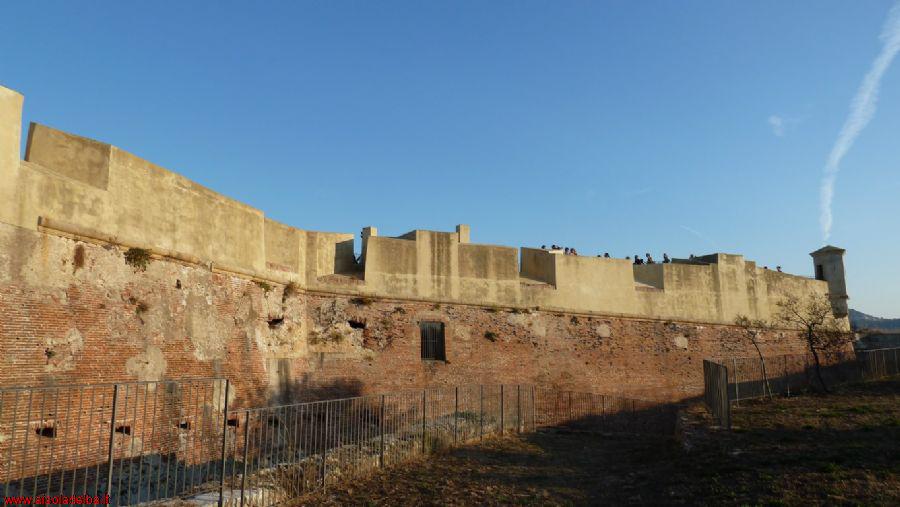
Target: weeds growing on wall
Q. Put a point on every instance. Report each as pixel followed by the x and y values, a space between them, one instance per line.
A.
pixel 490 335
pixel 140 307
pixel 333 336
pixel 290 290
pixel 78 258
pixel 362 301
pixel 138 258
pixel 265 286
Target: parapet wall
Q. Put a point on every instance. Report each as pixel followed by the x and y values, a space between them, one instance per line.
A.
pixel 76 187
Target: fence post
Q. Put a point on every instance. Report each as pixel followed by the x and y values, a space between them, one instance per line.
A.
pixel 787 377
pixel 381 425
pixel 533 411
pixel 246 454
pixel 224 444
pixel 603 411
pixel 423 420
pixel 554 417
pixel 325 447
pixel 112 434
pixel 501 410
pixel 737 389
pixel 481 412
pixel 455 414
pixel 518 408
pixel 723 394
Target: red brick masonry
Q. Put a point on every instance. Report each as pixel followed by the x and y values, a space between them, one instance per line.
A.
pixel 74 312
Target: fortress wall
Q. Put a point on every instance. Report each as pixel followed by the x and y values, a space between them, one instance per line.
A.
pixel 71 313
pixel 489 262
pixel 99 191
pixel 67 320
pixel 778 285
pixel 10 145
pixel 437 264
pixel 391 266
pixel 731 285
pixel 120 195
pixel 588 283
pixel 285 247
pixel 75 157
pixel 718 291
pixel 757 300
pixel 689 291
pixel 488 273
pixel 328 253
pixel 37 192
pixel 650 274
pixel 167 210
pixel 538 265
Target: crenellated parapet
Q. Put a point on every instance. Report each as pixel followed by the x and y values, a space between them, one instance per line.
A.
pixel 82 188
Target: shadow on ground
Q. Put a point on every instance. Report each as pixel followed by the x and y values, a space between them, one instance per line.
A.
pixel 806 450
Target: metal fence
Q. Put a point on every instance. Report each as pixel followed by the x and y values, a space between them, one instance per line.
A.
pixel 148 441
pixel 745 378
pixel 877 363
pixel 135 441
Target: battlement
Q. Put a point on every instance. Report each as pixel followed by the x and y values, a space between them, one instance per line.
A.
pixel 93 191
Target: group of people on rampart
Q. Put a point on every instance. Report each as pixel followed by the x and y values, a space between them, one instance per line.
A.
pixel 638 261
pixel 558 249
pixel 637 258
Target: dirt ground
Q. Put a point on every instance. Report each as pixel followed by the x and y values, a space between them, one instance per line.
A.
pixel 838 449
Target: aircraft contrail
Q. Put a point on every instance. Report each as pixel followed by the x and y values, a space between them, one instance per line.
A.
pixel 862 108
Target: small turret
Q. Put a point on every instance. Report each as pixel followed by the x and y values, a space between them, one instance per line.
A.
pixel 829 265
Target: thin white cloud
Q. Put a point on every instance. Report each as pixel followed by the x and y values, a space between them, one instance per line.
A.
pixel 636 192
pixel 782 124
pixel 862 108
pixel 701 236
pixel 777 124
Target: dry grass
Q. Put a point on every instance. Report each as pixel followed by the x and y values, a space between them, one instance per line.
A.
pixel 806 450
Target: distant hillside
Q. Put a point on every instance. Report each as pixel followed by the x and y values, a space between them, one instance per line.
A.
pixel 860 320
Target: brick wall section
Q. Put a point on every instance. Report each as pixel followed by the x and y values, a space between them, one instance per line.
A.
pixel 654 359
pixel 76 313
pixel 106 321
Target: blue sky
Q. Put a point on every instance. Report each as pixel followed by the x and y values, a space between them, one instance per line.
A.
pixel 627 127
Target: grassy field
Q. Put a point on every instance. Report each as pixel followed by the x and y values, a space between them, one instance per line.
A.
pixel 838 449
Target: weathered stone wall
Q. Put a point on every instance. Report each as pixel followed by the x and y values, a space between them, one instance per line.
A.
pixel 76 312
pixel 214 300
pixel 73 185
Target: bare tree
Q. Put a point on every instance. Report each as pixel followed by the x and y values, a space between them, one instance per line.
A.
pixel 752 329
pixel 814 317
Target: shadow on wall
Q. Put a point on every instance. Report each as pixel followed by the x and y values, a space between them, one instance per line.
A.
pixel 309 388
pixel 345 259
